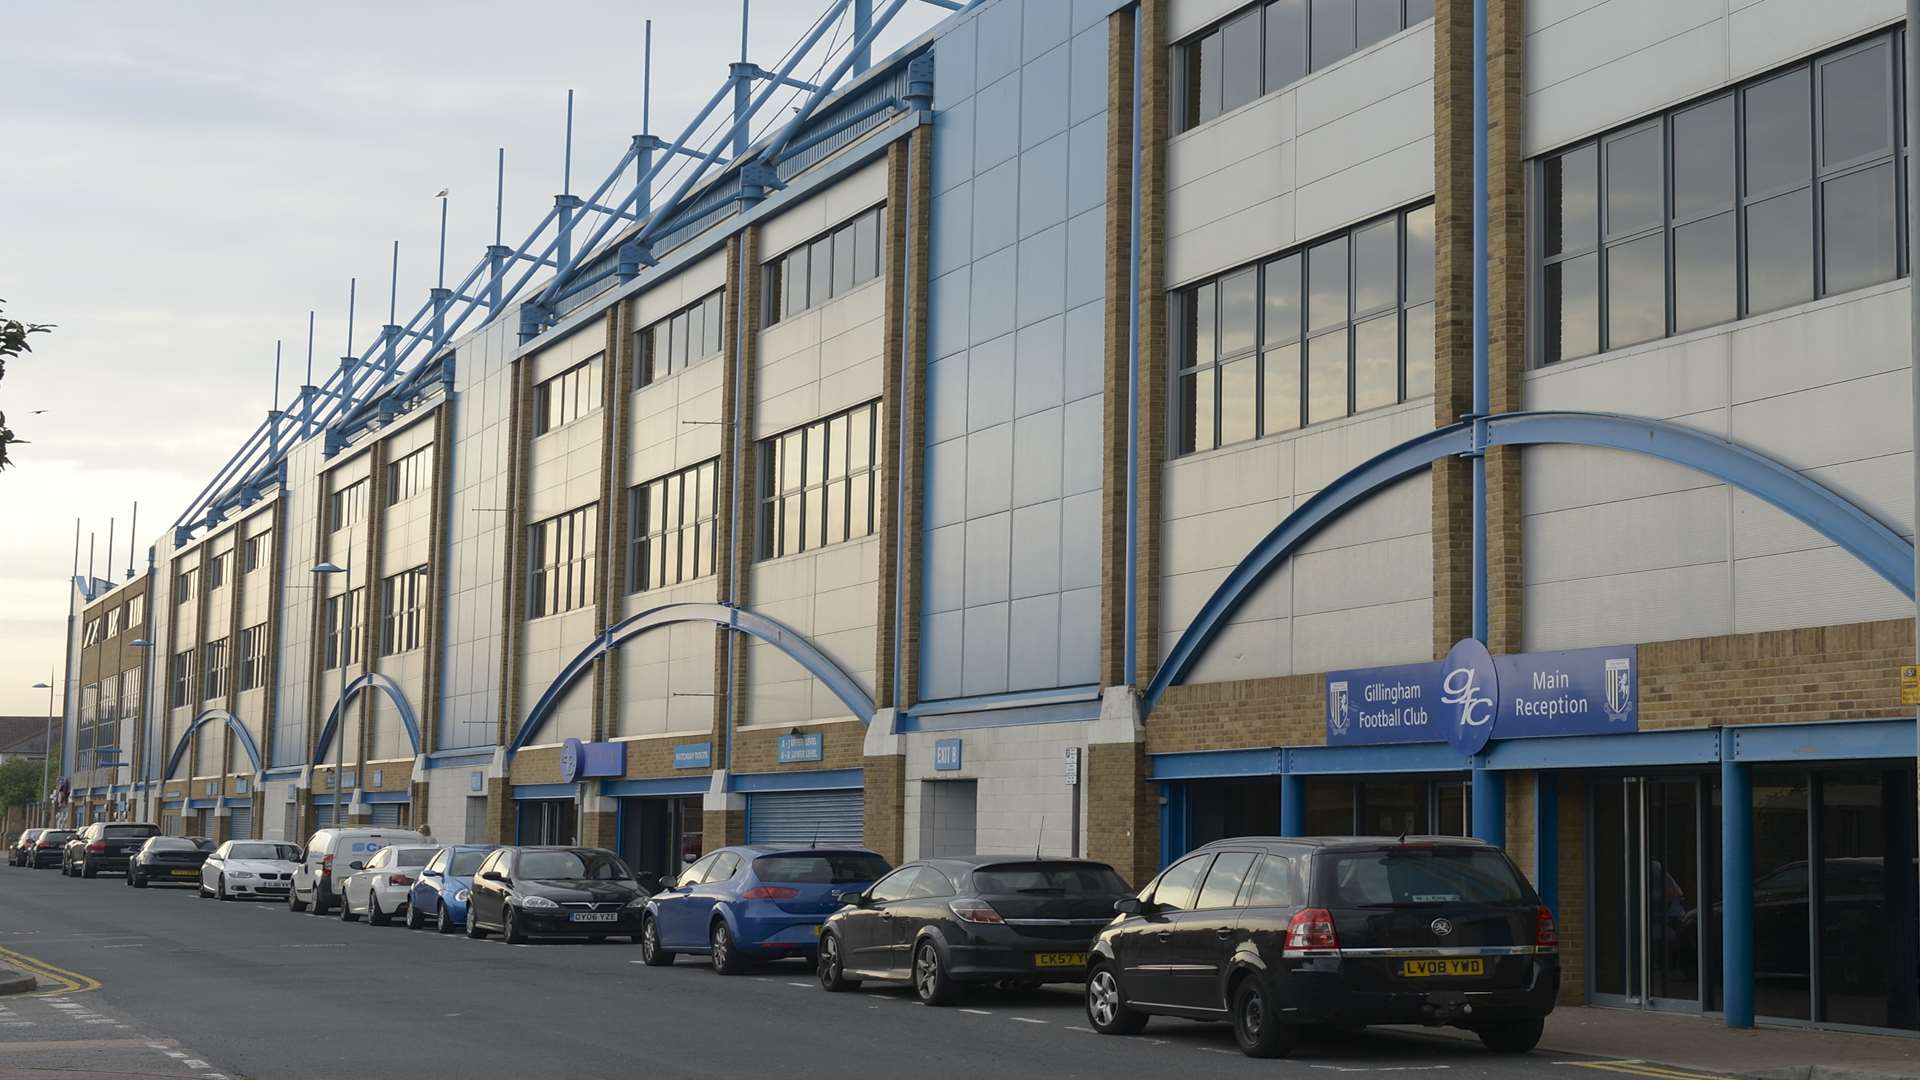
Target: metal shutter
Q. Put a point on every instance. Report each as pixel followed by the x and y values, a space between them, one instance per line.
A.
pixel 240 822
pixel 386 815
pixel 806 817
pixel 323 812
pixel 476 820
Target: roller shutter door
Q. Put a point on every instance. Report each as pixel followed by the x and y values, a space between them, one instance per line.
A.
pixel 240 822
pixel 806 817
pixel 386 815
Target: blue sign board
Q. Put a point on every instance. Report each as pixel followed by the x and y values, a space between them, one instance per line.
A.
pixel 580 760
pixel 693 755
pixel 1472 697
pixel 946 755
pixel 798 748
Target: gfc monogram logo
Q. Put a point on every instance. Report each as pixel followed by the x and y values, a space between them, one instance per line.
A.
pixel 1463 689
pixel 1471 687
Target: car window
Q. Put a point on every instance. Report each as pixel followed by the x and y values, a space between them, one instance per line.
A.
pixel 697 873
pixel 1419 875
pixel 381 859
pixel 129 832
pixel 1047 879
pixel 725 865
pixel 827 868
pixel 492 863
pixel 930 883
pixel 412 856
pixel 439 861
pixel 571 865
pixel 464 862
pixel 1229 873
pixel 895 886
pixel 1274 884
pixel 171 843
pixel 258 851
pixel 1176 887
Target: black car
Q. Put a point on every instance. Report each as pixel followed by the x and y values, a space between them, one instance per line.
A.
pixel 170 859
pixel 49 849
pixel 1273 934
pixel 948 923
pixel 20 852
pixel 524 892
pixel 104 846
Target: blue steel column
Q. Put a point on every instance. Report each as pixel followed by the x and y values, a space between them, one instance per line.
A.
pixel 1489 789
pixel 1546 840
pixel 1293 805
pixel 1129 648
pixel 1489 803
pixel 1736 885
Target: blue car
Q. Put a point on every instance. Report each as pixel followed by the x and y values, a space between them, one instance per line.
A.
pixel 440 893
pixel 754 902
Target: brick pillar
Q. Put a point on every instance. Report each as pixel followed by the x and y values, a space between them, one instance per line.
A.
pixel 1522 836
pixel 222 828
pixel 884 765
pixel 1571 919
pixel 1123 807
pixel 417 801
pixel 723 828
pixel 500 828
pixel 1118 334
pixel 1154 381
pixel 737 470
pixel 1506 310
pixel 600 828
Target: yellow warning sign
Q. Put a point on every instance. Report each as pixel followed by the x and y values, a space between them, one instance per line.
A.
pixel 1910 685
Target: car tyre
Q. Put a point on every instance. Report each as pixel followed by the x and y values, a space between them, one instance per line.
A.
pixel 220 888
pixel 651 954
pixel 508 931
pixel 376 917
pixel 1257 1026
pixel 1107 1010
pixel 726 955
pixel 87 870
pixel 294 903
pixel 931 983
pixel 833 968
pixel 1512 1036
pixel 443 924
pixel 473 927
pixel 346 908
pixel 415 921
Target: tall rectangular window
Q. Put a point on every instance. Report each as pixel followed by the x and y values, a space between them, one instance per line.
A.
pixel 216 661
pixel 217 570
pixel 344 615
pixel 253 657
pixel 826 266
pixel 257 552
pixel 113 625
pixel 818 483
pixel 1783 189
pixel 562 557
pixel 130 681
pixel 403 597
pixel 184 586
pixel 347 506
pixel 92 634
pixel 672 526
pixel 694 333
pixel 136 612
pixel 183 676
pixel 410 475
pixel 1341 326
pixel 566 397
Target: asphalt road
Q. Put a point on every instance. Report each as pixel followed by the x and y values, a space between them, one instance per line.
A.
pixel 160 982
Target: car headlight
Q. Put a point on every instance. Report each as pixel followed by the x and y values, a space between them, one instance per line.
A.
pixel 538 903
pixel 637 902
pixel 463 895
pixel 239 875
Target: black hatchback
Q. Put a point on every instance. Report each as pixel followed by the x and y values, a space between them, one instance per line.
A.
pixel 1274 934
pixel 948 923
pixel 523 892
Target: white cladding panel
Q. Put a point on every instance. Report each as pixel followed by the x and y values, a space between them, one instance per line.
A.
pixel 1023 799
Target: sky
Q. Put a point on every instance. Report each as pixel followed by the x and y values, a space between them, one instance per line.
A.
pixel 182 182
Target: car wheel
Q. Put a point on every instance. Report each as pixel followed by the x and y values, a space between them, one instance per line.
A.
pixel 220 888
pixel 319 901
pixel 931 983
pixel 651 954
pixel 1107 1010
pixel 726 956
pixel 200 889
pixel 415 920
pixel 86 869
pixel 510 932
pixel 294 903
pixel 1257 1026
pixel 833 969
pixel 346 907
pixel 375 916
pixel 443 924
pixel 1512 1036
pixel 473 926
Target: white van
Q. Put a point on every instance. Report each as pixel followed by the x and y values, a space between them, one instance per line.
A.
pixel 317 881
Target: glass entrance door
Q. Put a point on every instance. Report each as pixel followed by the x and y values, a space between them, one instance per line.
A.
pixel 1646 899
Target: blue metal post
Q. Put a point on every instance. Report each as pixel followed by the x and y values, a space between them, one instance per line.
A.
pixel 862 22
pixel 1293 805
pixel 306 389
pixel 1489 803
pixel 1736 886
pixel 1481 394
pixel 1130 661
pixel 742 89
pixel 1546 840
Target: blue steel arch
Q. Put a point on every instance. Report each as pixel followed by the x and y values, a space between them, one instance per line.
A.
pixel 781 637
pixel 1886 552
pixel 386 686
pixel 186 740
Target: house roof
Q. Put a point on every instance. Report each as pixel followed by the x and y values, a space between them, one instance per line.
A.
pixel 24 734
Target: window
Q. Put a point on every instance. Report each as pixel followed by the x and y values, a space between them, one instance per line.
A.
pixel 410 475
pixel 1342 326
pixel 817 483
pixel 1780 190
pixel 895 886
pixel 130 692
pixel 253 657
pixel 1223 882
pixel 347 505
pixel 216 658
pixel 1176 888
pixel 183 671
pixel 183 587
pixel 680 340
pixel 1262 48
pixel 136 611
pixel 825 267
pixel 344 614
pixel 562 558
pixel 567 396
pixel 402 599
pixel 672 527
pixel 92 633
pixel 113 624
pixel 1419 875
pixel 1275 885
pixel 217 570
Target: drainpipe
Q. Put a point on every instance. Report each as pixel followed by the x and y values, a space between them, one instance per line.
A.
pixel 1913 294
pixel 1130 658
pixel 1736 884
pixel 1489 788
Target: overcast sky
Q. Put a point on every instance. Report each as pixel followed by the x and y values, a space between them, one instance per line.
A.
pixel 180 183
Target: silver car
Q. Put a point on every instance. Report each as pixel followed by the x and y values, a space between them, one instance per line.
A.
pixel 249 868
pixel 378 887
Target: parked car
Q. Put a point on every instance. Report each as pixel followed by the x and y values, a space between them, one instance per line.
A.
pixel 524 892
pixel 378 887
pixel 49 848
pixel 444 886
pixel 945 924
pixel 104 846
pixel 754 902
pixel 172 859
pixel 314 881
pixel 1273 934
pixel 249 868
pixel 20 852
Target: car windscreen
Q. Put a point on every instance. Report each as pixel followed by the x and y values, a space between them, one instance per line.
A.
pixel 261 851
pixel 1047 879
pixel 168 843
pixel 823 868
pixel 130 832
pixel 414 856
pixel 466 862
pixel 1412 874
pixel 57 834
pixel 570 865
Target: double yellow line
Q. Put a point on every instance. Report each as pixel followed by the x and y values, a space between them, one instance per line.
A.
pixel 1635 1067
pixel 71 982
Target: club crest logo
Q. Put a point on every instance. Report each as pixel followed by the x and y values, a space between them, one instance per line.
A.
pixel 1339 709
pixel 1619 687
pixel 1470 689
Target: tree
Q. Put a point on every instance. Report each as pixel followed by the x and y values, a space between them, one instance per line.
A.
pixel 20 783
pixel 13 342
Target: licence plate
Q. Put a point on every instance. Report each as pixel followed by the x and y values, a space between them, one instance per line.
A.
pixel 1415 969
pixel 186 873
pixel 1059 959
pixel 593 916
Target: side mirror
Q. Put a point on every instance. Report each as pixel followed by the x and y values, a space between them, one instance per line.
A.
pixel 649 881
pixel 298 856
pixel 853 897
pixel 429 873
pixel 494 875
pixel 1130 905
pixel 356 866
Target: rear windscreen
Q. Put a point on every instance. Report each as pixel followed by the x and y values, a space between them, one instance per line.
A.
pixel 1047 879
pixel 169 844
pixel 130 832
pixel 825 868
pixel 1390 877
pixel 414 856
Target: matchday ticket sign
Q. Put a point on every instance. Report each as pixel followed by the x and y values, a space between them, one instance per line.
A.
pixel 1471 698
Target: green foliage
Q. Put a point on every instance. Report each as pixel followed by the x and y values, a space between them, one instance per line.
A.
pixel 13 342
pixel 20 782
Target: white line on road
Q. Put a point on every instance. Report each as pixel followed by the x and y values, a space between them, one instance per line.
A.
pixel 975 1012
pixel 195 1063
pixel 808 986
pixel 1025 1020
pixel 142 945
pixel 1089 1031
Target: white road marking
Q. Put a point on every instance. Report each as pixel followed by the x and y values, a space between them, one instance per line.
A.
pixel 142 945
pixel 975 1012
pixel 1215 1050
pixel 195 1063
pixel 1025 1020
pixel 1089 1031
pixel 173 1053
pixel 1380 1068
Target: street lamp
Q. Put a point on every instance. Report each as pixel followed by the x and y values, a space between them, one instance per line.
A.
pixel 46 748
pixel 145 766
pixel 345 650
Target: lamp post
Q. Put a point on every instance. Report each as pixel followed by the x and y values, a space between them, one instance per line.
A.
pixel 46 748
pixel 344 630
pixel 143 766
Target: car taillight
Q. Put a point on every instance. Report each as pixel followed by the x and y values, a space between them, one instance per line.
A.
pixel 1311 929
pixel 976 911
pixel 97 846
pixel 399 879
pixel 46 843
pixel 326 866
pixel 769 892
pixel 1545 937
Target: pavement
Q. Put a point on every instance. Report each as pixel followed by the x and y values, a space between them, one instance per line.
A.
pixel 159 983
